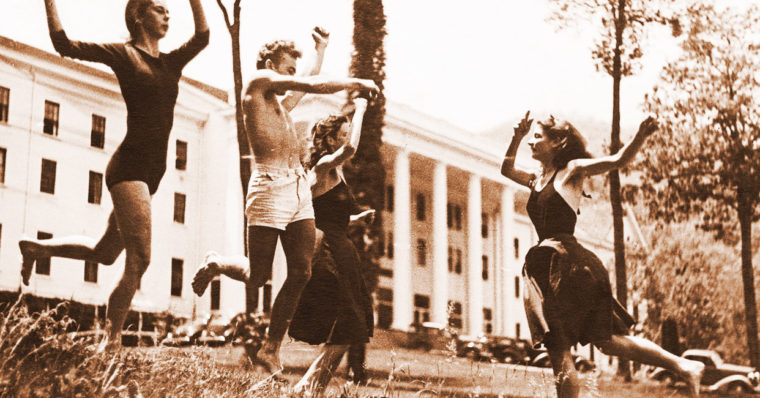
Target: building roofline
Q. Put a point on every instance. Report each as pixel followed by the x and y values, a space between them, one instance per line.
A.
pixel 217 93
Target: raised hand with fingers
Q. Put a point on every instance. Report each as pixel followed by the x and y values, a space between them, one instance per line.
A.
pixel 523 127
pixel 321 38
pixel 648 126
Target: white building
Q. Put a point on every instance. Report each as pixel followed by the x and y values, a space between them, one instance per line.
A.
pixel 456 231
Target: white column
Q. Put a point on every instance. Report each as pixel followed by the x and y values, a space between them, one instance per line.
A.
pixel 474 325
pixel 402 230
pixel 440 246
pixel 508 264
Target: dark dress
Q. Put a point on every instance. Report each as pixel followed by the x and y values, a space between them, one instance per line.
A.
pixel 149 86
pixel 568 298
pixel 335 306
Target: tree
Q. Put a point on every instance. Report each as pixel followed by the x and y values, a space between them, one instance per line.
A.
pixel 707 158
pixel 616 52
pixel 366 172
pixel 244 148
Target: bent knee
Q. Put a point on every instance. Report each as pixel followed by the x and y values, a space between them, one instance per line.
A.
pixel 300 276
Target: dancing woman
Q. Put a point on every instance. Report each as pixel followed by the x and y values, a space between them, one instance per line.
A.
pixel 335 306
pixel 149 82
pixel 568 298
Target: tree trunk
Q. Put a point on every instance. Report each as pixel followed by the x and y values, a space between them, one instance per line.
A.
pixel 615 199
pixel 748 277
pixel 244 148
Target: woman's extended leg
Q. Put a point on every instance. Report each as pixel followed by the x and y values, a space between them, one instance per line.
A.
pixel 131 202
pixel 568 385
pixel 321 371
pixel 105 251
pixel 642 350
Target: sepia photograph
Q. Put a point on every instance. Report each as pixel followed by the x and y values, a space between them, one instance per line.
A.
pixel 379 198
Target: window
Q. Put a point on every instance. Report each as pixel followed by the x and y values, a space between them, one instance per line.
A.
pixel 50 124
pixel 449 215
pixel 421 252
pixel 390 245
pixel 90 272
pixel 176 288
pixel 451 259
pixel 458 263
pixel 384 308
pixel 43 264
pixel 95 190
pixel 517 332
pixel 484 225
pixel 517 248
pixel 389 198
pixel 216 290
pixel 421 308
pixel 47 176
pixel 455 314
pixel 517 287
pixel 179 208
pixel 98 132
pixel 381 244
pixel 487 320
pixel 181 162
pixel 5 94
pixel 3 152
pixel 485 268
pixel 420 207
pixel 458 217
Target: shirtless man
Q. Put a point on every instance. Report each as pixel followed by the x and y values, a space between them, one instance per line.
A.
pixel 278 204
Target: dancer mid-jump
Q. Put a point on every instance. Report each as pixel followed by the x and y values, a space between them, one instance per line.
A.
pixel 149 82
pixel 568 298
pixel 278 205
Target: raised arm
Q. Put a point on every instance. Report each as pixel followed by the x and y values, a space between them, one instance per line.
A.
pixel 347 150
pixel 199 18
pixel 589 167
pixel 321 38
pixel 54 22
pixel 508 168
pixel 270 81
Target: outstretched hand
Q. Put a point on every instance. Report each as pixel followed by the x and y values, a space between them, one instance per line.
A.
pixel 523 127
pixel 648 126
pixel 321 38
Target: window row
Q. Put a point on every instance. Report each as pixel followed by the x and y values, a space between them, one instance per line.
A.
pixel 51 120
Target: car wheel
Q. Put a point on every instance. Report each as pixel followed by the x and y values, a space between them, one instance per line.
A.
pixel 737 388
pixel 471 355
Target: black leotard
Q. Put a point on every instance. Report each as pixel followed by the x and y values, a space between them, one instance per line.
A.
pixel 149 86
pixel 549 212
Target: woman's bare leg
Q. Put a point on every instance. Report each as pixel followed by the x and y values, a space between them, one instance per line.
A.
pixel 321 371
pixel 645 351
pixel 131 202
pixel 105 251
pixel 563 366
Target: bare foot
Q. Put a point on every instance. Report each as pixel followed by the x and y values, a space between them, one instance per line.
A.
pixel 205 273
pixel 30 251
pixel 269 360
pixel 109 346
pixel 692 374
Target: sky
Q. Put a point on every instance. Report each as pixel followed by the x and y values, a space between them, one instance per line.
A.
pixel 476 66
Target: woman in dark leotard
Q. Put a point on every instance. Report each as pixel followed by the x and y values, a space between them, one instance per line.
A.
pixel 335 307
pixel 149 82
pixel 568 298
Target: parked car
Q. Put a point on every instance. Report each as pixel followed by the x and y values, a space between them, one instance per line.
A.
pixel 718 375
pixel 506 349
pixel 428 336
pixel 186 333
pixel 475 348
pixel 582 364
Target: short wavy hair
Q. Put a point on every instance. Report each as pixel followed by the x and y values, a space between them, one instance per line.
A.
pixel 572 146
pixel 135 10
pixel 327 127
pixel 274 50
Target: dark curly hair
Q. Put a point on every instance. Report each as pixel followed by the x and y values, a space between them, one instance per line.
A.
pixel 274 50
pixel 573 145
pixel 327 127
